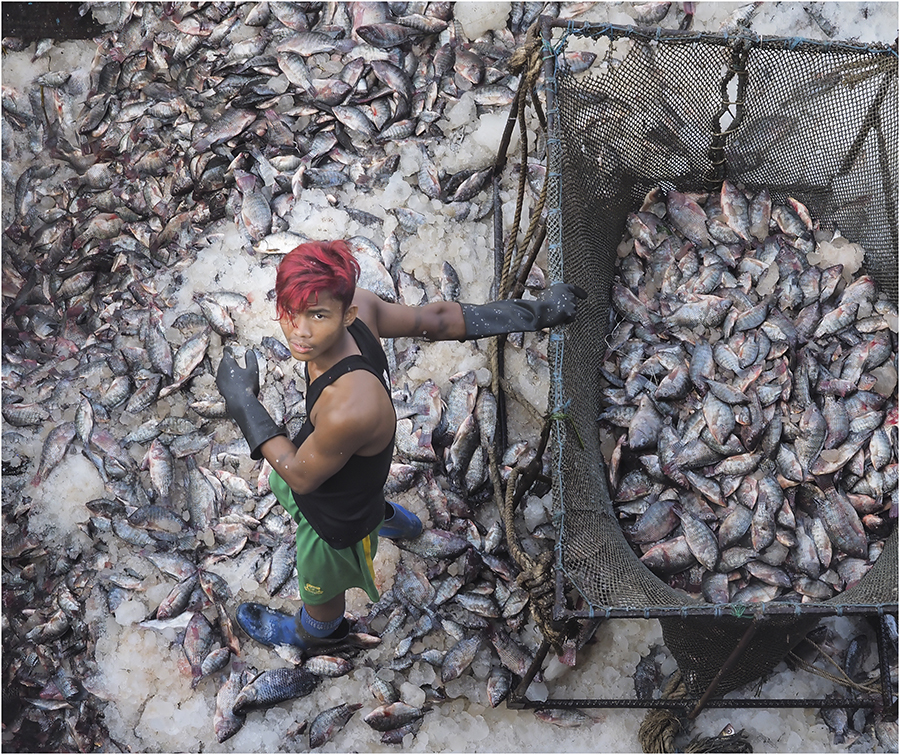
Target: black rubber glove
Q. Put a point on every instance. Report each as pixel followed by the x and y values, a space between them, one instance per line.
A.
pixel 239 386
pixel 555 306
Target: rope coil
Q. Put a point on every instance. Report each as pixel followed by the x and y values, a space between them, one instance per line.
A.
pixel 660 726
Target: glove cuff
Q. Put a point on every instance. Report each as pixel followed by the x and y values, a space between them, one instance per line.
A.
pixel 256 444
pixel 498 317
pixel 256 424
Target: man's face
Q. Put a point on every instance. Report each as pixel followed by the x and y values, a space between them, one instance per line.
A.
pixel 315 330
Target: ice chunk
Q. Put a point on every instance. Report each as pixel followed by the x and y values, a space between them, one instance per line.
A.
pixel 478 18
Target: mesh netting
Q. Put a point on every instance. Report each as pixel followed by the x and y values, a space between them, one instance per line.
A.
pixel 807 120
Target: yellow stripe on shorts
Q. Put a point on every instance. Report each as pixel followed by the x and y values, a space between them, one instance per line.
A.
pixel 367 547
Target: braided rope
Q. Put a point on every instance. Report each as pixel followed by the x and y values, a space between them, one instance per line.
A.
pixel 536 575
pixel 660 726
pixel 529 54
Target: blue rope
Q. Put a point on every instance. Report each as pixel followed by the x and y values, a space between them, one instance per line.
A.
pixel 562 409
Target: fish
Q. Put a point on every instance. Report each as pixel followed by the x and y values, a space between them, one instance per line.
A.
pixel 842 523
pixel 699 538
pixel 329 722
pixel 187 357
pixel 197 644
pixel 54 450
pixel 283 562
pixel 460 402
pixel 513 656
pixel 25 414
pixel 203 502
pixel 396 736
pixel 393 715
pixel 177 599
pixel 649 13
pixel 275 686
pixel 160 465
pixel 654 523
pixel 227 722
pixel 436 544
pixel 563 717
pixel 328 666
pixel 383 691
pixel 216 315
pixel 459 658
pixel 836 719
pixel 499 682
pixel 232 123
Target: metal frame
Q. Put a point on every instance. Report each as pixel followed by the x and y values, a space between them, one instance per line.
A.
pixel 757 613
pixel 691 707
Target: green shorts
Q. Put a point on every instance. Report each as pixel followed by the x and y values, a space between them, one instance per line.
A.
pixel 325 572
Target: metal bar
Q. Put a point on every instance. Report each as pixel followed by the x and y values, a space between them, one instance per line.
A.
pixel 733 610
pixel 519 693
pixel 884 163
pixel 738 651
pixel 553 209
pixel 685 703
pixel 887 694
pixel 500 162
pixel 498 236
pixel 689 37
pixel 559 600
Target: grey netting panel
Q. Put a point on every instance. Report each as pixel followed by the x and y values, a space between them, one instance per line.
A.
pixel 814 122
pixel 821 126
pixel 701 645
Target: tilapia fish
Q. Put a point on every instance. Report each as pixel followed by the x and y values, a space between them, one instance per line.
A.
pixel 393 716
pixel 752 398
pixel 329 722
pixel 226 722
pixel 275 686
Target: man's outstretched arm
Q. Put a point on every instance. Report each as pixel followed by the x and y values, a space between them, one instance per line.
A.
pixel 449 321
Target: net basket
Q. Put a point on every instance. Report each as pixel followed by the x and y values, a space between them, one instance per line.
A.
pixel 808 120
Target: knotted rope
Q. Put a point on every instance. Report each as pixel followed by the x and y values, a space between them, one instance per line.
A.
pixel 536 575
pixel 659 727
pixel 527 62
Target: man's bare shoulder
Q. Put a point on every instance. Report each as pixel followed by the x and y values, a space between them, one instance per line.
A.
pixel 355 403
pixel 367 305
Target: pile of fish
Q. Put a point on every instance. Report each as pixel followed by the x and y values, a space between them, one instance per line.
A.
pixel 196 115
pixel 752 397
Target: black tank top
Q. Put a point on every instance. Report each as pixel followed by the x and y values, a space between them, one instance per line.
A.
pixel 349 504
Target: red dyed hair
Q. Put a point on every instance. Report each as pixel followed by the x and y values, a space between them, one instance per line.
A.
pixel 313 267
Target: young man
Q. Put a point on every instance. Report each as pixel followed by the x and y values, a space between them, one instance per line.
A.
pixel 330 477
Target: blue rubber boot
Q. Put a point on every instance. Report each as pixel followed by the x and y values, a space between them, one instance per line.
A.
pixel 401 524
pixel 275 628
